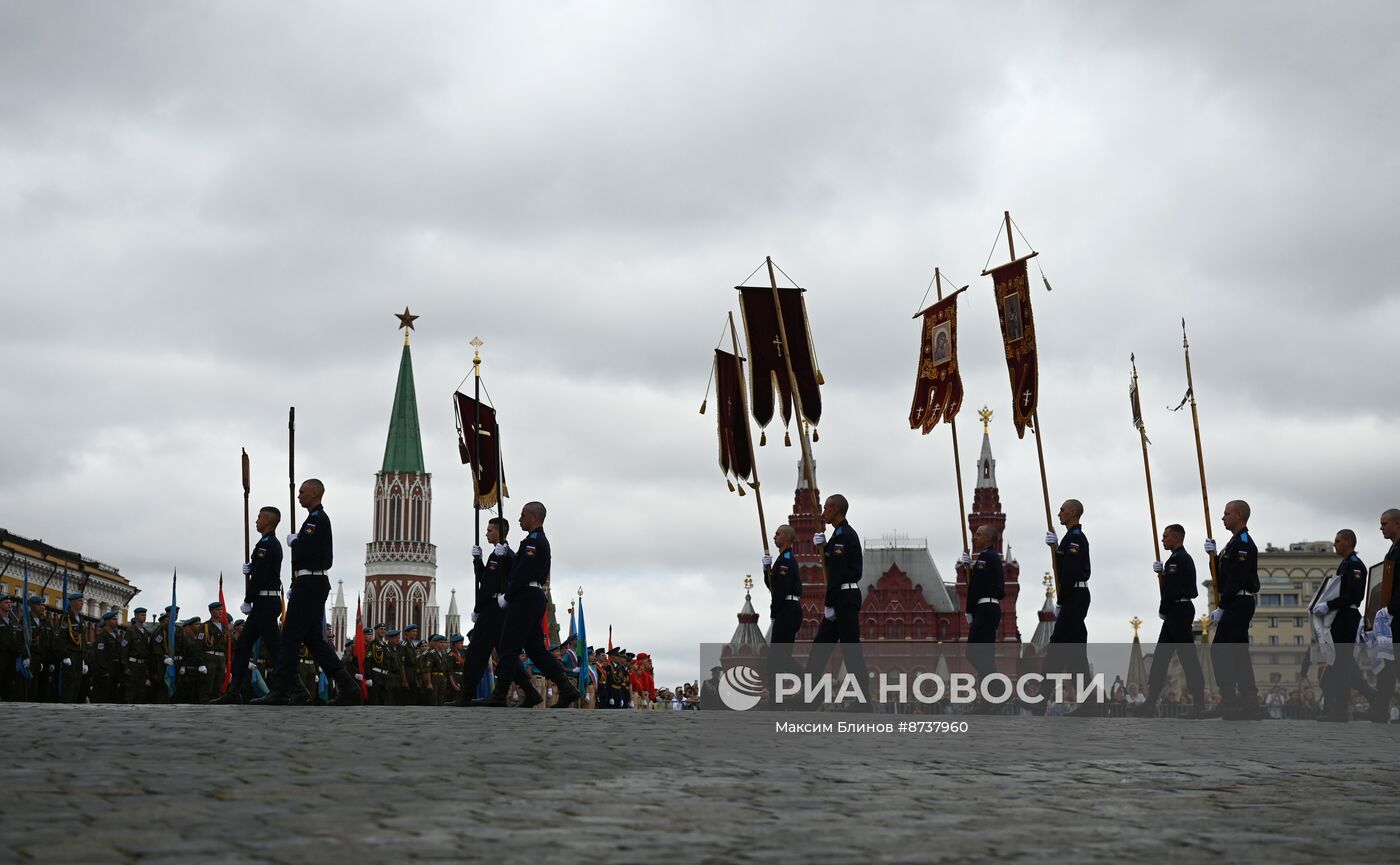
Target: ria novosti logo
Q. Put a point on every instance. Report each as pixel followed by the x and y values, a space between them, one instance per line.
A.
pixel 741 688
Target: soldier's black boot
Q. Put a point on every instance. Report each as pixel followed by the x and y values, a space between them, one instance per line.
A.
pixel 231 697
pixel 499 695
pixel 349 689
pixel 1198 710
pixel 278 695
pixel 532 697
pixel 569 695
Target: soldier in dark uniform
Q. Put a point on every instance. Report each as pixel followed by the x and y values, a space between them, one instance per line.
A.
pixel 409 661
pixel 262 603
pixel 70 651
pixel 393 662
pixel 40 649
pixel 1345 610
pixel 436 666
pixel 11 648
pixel 217 642
pixel 1177 610
pixel 106 663
pixel 377 665
pixel 525 603
pixel 136 660
pixel 1068 651
pixel 841 617
pixel 784 582
pixel 1238 571
pixel 1385 680
pixel 164 654
pixel 986 586
pixel 306 608
pixel 492 579
pixel 456 659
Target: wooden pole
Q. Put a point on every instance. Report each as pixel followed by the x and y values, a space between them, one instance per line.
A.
pixel 957 460
pixel 247 489
pixel 1147 470
pixel 476 446
pixel 757 492
pixel 807 469
pixel 1201 465
pixel 292 468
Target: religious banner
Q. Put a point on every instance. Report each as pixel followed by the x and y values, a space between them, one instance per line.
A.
pixel 1136 402
pixel 938 389
pixel 735 440
pixel 486 466
pixel 767 366
pixel 1018 335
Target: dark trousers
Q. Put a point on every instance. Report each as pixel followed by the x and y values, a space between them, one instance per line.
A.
pixel 982 637
pixel 261 624
pixel 485 635
pixel 787 621
pixel 1176 640
pixel 1229 654
pixel 1068 651
pixel 1343 675
pixel 1385 689
pixel 9 677
pixel 521 629
pixel 303 627
pixel 845 628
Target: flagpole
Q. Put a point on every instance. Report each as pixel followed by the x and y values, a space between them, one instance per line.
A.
pixel 477 468
pixel 1201 464
pixel 808 471
pixel 957 460
pixel 1146 466
pixel 247 489
pixel 291 467
pixel 757 492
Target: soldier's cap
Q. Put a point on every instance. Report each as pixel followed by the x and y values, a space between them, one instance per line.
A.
pixel 380 625
pixel 393 632
pixel 192 620
pixel 109 615
pixel 180 623
pixel 4 598
pixel 172 608
pixel 458 638
pixel 409 627
pixel 215 605
pixel 76 596
pixel 237 622
pixel 713 669
pixel 615 652
pixel 349 643
pixel 435 637
pixel 138 610
pixel 36 599
pixel 369 631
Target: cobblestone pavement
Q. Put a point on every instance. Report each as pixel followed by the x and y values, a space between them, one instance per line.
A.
pixel 198 786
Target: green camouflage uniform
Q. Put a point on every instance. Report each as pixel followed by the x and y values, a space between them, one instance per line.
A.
pixel 106 665
pixel 136 660
pixel 70 644
pixel 408 661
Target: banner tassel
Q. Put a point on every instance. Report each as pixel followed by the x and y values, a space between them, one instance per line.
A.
pixel 762 438
pixel 729 484
pixel 787 439
pixel 816 436
pixel 703 403
pixel 820 380
pixel 741 491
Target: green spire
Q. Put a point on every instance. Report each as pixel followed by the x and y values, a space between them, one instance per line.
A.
pixel 404 450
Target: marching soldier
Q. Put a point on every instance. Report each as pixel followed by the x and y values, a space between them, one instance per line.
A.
pixel 436 667
pixel 70 651
pixel 1239 583
pixel 376 665
pixel 488 614
pixel 40 641
pixel 1177 611
pixel 11 648
pixel 456 661
pixel 1069 650
pixel 192 683
pixel 106 660
pixel 986 586
pixel 1385 680
pixel 393 663
pixel 307 675
pixel 410 662
pixel 312 556
pixel 525 604
pixel 136 654
pixel 784 583
pixel 262 603
pixel 841 617
pixel 217 641
pixel 164 654
pixel 1345 610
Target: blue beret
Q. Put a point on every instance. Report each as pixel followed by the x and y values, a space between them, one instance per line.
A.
pixel 37 599
pixel 380 625
pixel 138 610
pixel 109 615
pixel 172 608
pixel 192 620
pixel 458 638
pixel 410 627
pixel 393 632
pixel 349 643
pixel 237 622
pixel 435 637
pixel 216 605
pixel 76 596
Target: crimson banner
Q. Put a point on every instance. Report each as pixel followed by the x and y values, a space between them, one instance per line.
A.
pixel 1018 336
pixel 486 466
pixel 938 390
pixel 735 440
pixel 767 367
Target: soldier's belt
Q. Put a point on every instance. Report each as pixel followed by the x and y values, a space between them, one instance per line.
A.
pixel 844 586
pixel 308 573
pixel 379 671
pixel 269 593
pixel 984 601
pixel 793 598
pixel 536 585
pixel 1079 585
pixel 436 673
pixel 215 652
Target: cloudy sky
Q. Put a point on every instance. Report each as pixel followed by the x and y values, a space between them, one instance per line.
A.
pixel 210 212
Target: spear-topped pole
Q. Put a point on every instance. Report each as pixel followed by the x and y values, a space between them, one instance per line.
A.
pixel 1201 465
pixel 957 460
pixel 1135 398
pixel 247 490
pixel 292 468
pixel 476 345
pixel 757 491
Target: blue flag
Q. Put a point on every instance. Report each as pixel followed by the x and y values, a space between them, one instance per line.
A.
pixel 170 635
pixel 260 687
pixel 581 649
pixel 22 664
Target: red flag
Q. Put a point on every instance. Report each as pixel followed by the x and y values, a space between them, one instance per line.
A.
pixel 767 366
pixel 735 440
pixel 488 473
pixel 938 390
pixel 228 636
pixel 610 646
pixel 1013 295
pixel 360 650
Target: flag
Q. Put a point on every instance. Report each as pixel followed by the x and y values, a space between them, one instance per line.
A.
pixel 1013 297
pixel 610 645
pixel 170 635
pixel 260 687
pixel 228 636
pixel 1137 408
pixel 488 474
pixel 732 418
pixel 938 389
pixel 581 644
pixel 767 366
pixel 360 650
pixel 28 636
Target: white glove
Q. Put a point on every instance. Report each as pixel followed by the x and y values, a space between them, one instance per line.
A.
pixel 964 560
pixel 247 568
pixel 969 618
pixel 476 552
pixel 26 663
pixel 369 683
pixel 1320 609
pixel 473 618
pixel 202 668
pixel 252 665
pixel 291 539
pixel 67 662
pixel 501 601
pixel 829 613
pixel 1210 545
pixel 359 677
pixel 85 669
pixel 501 549
pixel 1051 540
pixel 245 608
pixel 1162 616
pixel 767 561
pixel 819 539
pixel 1215 615
pixel 169 662
pixel 1157 568
pixel 1057 611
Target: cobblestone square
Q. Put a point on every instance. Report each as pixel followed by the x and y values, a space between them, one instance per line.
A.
pixel 243 784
